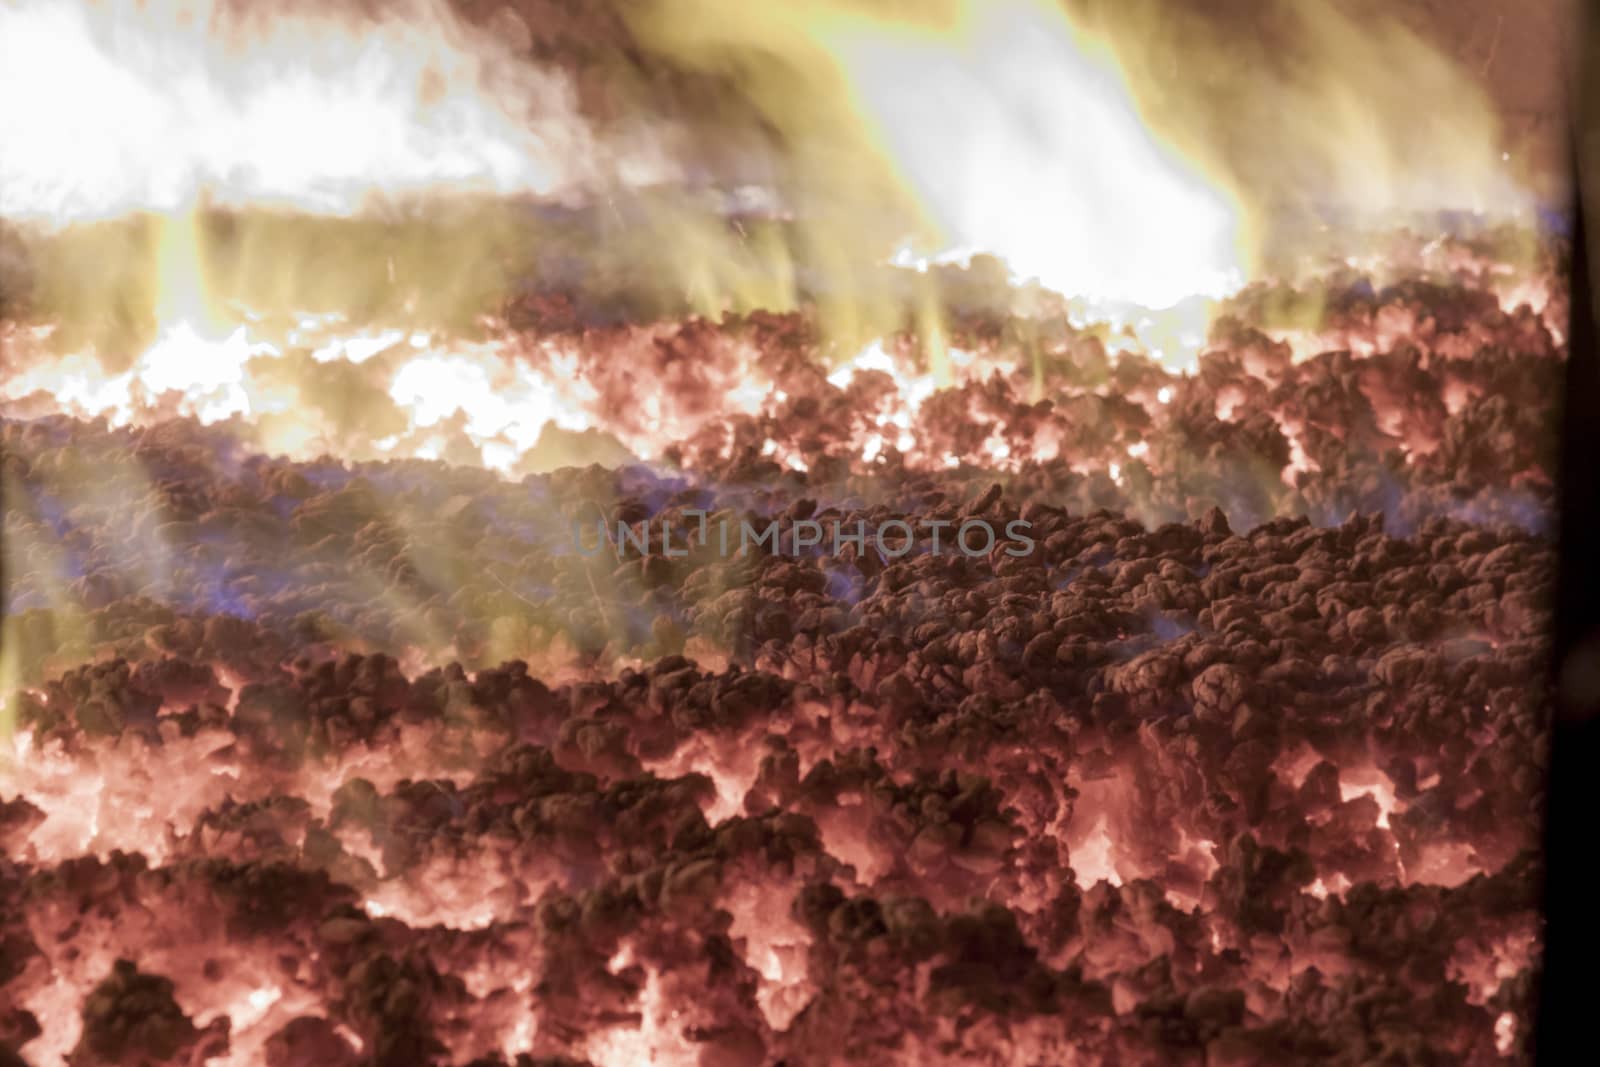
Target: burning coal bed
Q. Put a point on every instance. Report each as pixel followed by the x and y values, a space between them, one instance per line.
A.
pixel 323 762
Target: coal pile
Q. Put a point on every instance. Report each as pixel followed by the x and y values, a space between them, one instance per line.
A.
pixel 323 762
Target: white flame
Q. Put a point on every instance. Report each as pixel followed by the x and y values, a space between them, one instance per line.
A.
pixel 1021 144
pixel 129 105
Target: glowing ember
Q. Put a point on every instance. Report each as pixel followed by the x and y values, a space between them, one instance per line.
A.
pixel 330 734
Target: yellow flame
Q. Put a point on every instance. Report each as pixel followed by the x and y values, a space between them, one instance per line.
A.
pixel 150 101
pixel 1130 154
pixel 1090 152
pixel 184 294
pixel 1319 105
pixel 928 133
pixel 303 135
pixel 1020 140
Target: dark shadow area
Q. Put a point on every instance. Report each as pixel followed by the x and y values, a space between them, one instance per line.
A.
pixel 1572 932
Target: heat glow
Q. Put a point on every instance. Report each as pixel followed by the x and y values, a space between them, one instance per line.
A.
pixel 308 109
pixel 1021 139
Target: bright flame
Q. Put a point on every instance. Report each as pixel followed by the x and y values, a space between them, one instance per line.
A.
pixel 1505 1032
pixel 1093 862
pixel 1020 142
pixel 1316 105
pixel 151 101
pixel 1373 784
